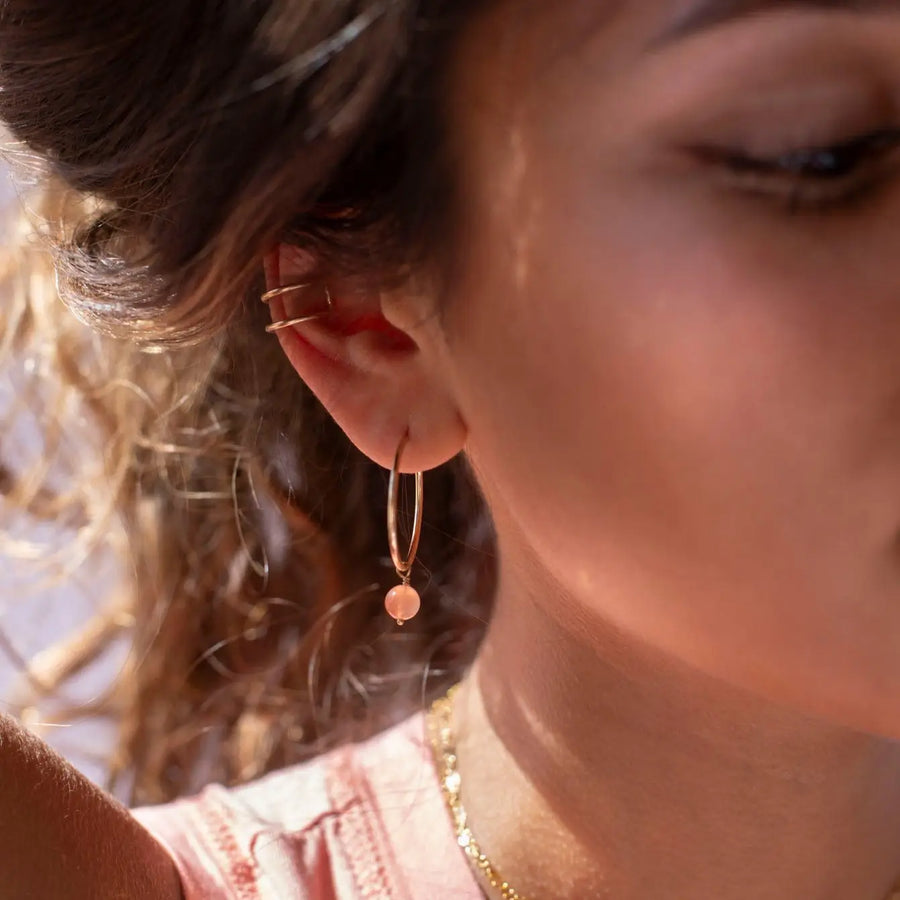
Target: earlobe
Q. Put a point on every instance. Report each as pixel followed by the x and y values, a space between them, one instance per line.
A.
pixel 368 373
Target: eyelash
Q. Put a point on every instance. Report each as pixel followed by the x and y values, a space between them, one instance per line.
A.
pixel 812 179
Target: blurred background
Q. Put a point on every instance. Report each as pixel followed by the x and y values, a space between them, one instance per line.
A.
pixel 38 616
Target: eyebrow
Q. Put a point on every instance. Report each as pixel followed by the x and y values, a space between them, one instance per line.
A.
pixel 709 13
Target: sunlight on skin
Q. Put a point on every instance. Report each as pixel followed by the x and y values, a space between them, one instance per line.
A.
pixel 669 349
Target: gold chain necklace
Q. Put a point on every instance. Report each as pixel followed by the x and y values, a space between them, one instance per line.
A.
pixel 443 745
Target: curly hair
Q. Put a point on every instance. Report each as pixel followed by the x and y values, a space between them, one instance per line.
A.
pixel 175 144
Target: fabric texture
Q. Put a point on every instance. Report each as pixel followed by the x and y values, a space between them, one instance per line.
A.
pixel 364 822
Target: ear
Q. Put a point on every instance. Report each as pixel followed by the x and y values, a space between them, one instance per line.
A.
pixel 377 377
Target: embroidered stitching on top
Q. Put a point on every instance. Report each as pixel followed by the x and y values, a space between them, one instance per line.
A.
pixel 242 869
pixel 359 835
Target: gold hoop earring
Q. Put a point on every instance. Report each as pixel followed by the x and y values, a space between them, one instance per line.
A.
pixel 268 296
pixel 402 602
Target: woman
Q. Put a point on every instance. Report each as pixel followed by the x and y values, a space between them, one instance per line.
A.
pixel 632 264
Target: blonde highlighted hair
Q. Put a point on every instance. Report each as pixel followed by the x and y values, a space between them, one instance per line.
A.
pixel 177 142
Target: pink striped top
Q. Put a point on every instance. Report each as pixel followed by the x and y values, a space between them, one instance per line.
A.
pixel 364 822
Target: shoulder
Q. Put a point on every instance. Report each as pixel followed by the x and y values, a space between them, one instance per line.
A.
pixel 340 826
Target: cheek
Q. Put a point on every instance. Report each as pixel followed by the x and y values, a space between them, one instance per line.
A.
pixel 695 432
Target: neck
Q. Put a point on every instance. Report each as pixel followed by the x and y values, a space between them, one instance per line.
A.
pixel 592 766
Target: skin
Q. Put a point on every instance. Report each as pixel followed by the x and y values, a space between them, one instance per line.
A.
pixel 63 838
pixel 682 401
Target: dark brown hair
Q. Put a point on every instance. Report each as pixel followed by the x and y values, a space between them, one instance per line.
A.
pixel 179 141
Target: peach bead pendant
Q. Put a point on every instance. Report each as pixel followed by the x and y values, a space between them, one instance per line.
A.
pixel 402 602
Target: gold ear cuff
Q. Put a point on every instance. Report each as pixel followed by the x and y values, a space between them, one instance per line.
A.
pixel 268 296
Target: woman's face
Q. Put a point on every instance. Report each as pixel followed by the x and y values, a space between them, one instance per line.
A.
pixel 675 335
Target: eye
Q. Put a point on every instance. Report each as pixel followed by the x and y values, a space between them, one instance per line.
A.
pixel 811 177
